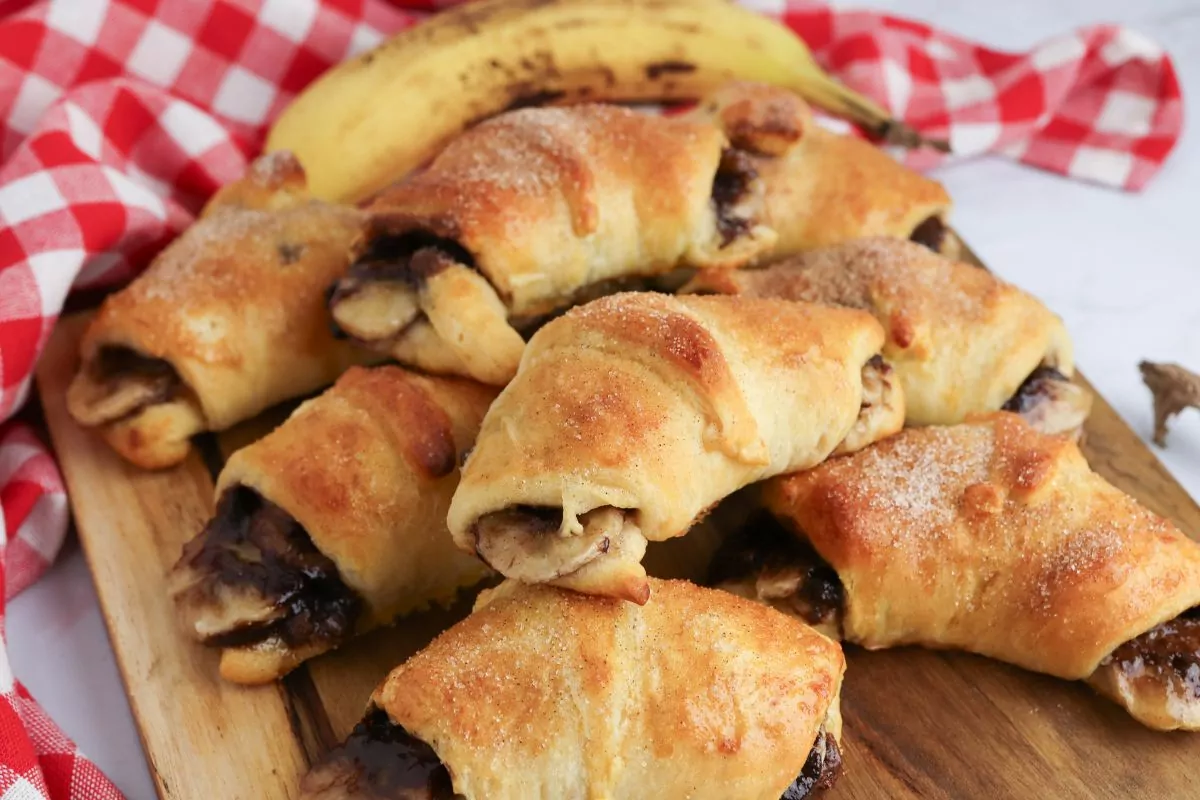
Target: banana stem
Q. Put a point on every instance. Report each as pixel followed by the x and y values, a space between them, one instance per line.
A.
pixel 893 131
pixel 837 98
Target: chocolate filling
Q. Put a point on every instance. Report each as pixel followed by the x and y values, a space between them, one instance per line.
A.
pixel 158 381
pixel 763 548
pixel 1034 390
pixel 381 761
pixel 730 185
pixel 1169 651
pixel 409 258
pixel 113 361
pixel 255 544
pixel 821 769
pixel 931 233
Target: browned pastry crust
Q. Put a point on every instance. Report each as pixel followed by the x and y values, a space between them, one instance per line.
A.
pixel 518 215
pixel 545 693
pixel 228 320
pixel 993 538
pixel 961 340
pixel 817 187
pixel 634 414
pixel 363 474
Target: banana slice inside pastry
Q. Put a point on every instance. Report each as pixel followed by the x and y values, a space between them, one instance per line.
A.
pixel 1052 404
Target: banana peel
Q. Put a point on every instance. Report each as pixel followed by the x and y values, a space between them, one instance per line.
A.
pixel 370 120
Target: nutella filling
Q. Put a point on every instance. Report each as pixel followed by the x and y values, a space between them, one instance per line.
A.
pixel 375 300
pixel 931 233
pixel 766 562
pixel 1168 654
pixel 379 761
pixel 253 575
pixel 821 769
pixel 735 174
pixel 1051 403
pixel 122 383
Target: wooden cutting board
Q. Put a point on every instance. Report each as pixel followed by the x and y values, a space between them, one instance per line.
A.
pixel 919 724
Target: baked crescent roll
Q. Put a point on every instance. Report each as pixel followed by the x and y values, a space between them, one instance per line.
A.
pixel 634 414
pixel 333 524
pixel 993 538
pixel 228 320
pixel 543 693
pixel 961 340
pixel 815 187
pixel 521 213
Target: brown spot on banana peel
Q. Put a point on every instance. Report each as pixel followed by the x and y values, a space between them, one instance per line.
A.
pixel 571 24
pixel 660 68
pixel 525 96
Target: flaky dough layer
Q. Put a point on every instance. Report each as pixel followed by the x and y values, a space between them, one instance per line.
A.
pixel 235 306
pixel 654 408
pixel 992 538
pixel 546 693
pixel 960 339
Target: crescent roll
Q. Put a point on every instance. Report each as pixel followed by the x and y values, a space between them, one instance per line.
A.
pixel 961 340
pixel 534 210
pixel 333 524
pixel 228 320
pixel 542 693
pixel 521 213
pixel 993 538
pixel 814 187
pixel 632 415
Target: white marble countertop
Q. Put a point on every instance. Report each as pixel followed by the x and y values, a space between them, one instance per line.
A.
pixel 1121 269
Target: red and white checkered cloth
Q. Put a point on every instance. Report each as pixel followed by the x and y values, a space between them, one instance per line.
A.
pixel 119 117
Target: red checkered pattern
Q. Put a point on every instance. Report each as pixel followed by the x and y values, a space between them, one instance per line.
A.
pixel 119 117
pixel 1101 104
pixel 36 760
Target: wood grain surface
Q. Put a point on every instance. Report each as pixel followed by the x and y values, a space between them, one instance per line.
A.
pixel 919 724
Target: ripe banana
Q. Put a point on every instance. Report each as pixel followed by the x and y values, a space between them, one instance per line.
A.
pixel 369 121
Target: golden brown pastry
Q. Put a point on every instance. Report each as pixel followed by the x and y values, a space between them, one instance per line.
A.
pixel 634 414
pixel 531 211
pixel 334 523
pixel 813 187
pixel 961 340
pixel 543 693
pixel 522 212
pixel 228 320
pixel 993 538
